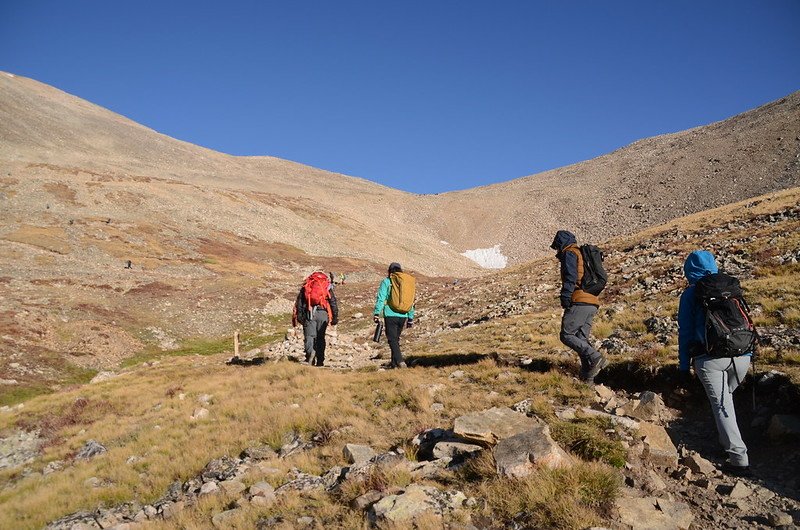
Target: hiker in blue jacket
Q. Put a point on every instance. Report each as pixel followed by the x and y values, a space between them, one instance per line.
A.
pixel 394 322
pixel 719 376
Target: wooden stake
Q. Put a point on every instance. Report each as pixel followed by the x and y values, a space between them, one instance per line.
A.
pixel 236 343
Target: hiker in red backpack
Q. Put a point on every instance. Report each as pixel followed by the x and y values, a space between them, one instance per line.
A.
pixel 579 306
pixel 315 308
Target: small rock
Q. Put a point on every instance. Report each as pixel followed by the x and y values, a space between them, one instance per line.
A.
pixel 356 454
pixel 102 376
pixel 223 520
pixel 778 518
pixel 92 482
pixel 363 502
pixel 208 488
pixel 604 393
pixel 784 426
pixel 455 449
pixel 659 448
pixel 654 514
pixel 654 481
pixel 261 452
pixel 199 414
pixel 232 487
pixel 171 509
pixel 650 408
pixel 90 450
pixel 489 426
pixel 740 490
pixel 518 455
pixel 698 464
pixel 205 399
pixel 262 489
pixel 305 522
pixel 437 407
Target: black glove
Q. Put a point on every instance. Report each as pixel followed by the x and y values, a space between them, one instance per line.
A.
pixel 409 322
pixel 565 303
pixel 376 318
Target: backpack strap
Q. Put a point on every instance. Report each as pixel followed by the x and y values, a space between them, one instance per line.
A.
pixel 575 249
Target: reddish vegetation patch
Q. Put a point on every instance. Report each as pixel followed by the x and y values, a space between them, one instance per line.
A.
pixel 153 289
pixel 53 281
pixel 125 198
pixel 98 311
pixel 5 279
pixel 61 192
pixel 81 412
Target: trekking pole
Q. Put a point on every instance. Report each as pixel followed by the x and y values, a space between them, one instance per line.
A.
pixel 754 383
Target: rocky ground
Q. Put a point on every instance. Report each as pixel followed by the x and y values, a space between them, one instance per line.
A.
pixel 665 487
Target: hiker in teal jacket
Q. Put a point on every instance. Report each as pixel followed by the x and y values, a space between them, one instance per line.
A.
pixel 394 322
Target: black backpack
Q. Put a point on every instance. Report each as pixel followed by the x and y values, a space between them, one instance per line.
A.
pixel 729 329
pixel 594 275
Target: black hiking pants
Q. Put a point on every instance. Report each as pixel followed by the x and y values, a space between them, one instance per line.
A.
pixel 314 333
pixel 394 327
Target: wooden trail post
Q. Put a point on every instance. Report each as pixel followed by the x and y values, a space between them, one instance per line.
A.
pixel 236 343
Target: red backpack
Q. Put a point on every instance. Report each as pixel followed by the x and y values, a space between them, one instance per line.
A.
pixel 316 289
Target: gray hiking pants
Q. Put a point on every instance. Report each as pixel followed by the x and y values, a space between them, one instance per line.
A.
pixel 576 326
pixel 720 377
pixel 314 333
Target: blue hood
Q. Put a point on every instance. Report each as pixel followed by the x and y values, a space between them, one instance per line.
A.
pixel 699 263
pixel 563 239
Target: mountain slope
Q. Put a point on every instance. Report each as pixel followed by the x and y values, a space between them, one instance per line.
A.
pixel 646 183
pixel 218 242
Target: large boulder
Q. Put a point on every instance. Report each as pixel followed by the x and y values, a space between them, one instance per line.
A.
pixel 519 455
pixel 489 426
pixel 658 447
pixel 650 513
pixel 414 501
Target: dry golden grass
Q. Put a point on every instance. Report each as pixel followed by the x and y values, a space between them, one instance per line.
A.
pixel 140 413
pixel 561 498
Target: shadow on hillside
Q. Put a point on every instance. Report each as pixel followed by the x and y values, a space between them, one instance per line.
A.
pixel 238 361
pixel 450 359
pixel 775 462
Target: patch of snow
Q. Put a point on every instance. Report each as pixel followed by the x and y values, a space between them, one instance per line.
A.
pixel 488 258
pixel 10 75
pixel 443 242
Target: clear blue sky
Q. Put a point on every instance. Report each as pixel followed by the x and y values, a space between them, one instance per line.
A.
pixel 424 96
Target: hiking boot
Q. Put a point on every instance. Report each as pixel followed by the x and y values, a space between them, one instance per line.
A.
pixel 595 368
pixel 402 365
pixel 736 471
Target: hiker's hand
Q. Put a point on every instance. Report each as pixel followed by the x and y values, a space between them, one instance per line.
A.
pixel 294 322
pixel 565 303
pixel 409 322
pixel 376 318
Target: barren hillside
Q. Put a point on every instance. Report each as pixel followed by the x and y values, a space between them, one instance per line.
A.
pixel 218 242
